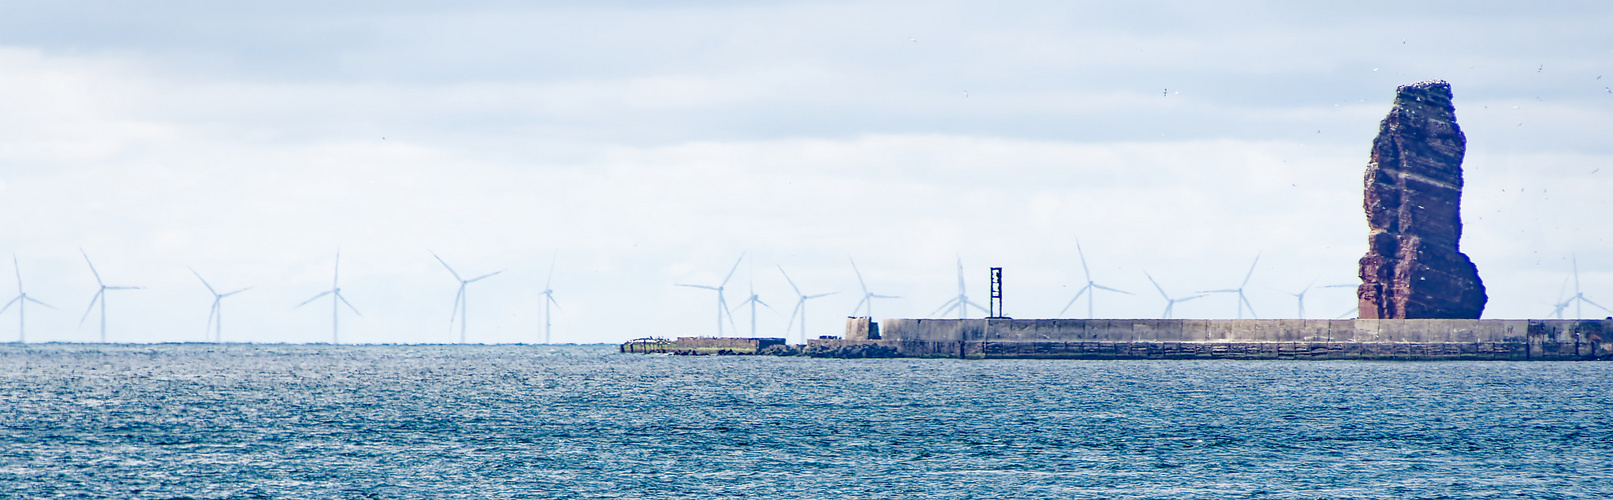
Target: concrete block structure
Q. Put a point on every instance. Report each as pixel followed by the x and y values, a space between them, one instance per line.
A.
pixel 1403 339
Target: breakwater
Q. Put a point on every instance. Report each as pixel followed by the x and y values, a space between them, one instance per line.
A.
pixel 1379 339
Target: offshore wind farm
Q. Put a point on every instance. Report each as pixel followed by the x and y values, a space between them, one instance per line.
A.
pixel 1163 182
pixel 1030 249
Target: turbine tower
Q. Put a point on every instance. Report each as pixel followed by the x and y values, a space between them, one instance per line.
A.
pixel 722 303
pixel 1091 287
pixel 868 297
pixel 548 298
pixel 1578 299
pixel 960 303
pixel 460 299
pixel 21 301
pixel 800 306
pixel 1170 303
pixel 215 316
pixel 100 295
pixel 336 301
pixel 1242 299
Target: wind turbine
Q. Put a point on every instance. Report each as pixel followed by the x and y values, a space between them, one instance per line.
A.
pixel 1242 299
pixel 21 301
pixel 336 300
pixel 215 316
pixel 800 305
pixel 960 303
pixel 1170 303
pixel 1560 305
pixel 548 298
pixel 100 295
pixel 868 298
pixel 1091 287
pixel 460 299
pixel 753 300
pixel 1301 297
pixel 1578 299
pixel 722 304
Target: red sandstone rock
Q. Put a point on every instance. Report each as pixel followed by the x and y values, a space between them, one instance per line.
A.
pixel 1413 268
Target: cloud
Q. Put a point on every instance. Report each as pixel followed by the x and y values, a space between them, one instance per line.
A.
pixel 643 147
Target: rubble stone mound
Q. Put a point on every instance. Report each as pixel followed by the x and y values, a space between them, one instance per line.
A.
pixel 1413 268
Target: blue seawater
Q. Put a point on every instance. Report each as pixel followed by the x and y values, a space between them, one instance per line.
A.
pixel 292 421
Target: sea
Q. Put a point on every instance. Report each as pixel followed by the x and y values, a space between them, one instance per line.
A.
pixel 539 421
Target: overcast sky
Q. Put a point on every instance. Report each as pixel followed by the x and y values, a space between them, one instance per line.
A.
pixel 641 144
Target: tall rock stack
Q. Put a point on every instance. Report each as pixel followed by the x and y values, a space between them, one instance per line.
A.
pixel 1413 268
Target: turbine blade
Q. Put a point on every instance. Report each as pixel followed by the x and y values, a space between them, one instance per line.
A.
pixel 1576 273
pixel 211 312
pixel 791 282
pixel 1156 285
pixel 977 306
pixel 459 298
pixel 859 305
pixel 1101 287
pixel 316 297
pixel 555 302
pixel 204 281
pixel 878 296
pixel 818 295
pixel 18 268
pixel 1189 298
pixel 92 266
pixel 36 301
pixel 1245 300
pixel 859 274
pixel 947 305
pixel 124 288
pixel 1216 291
pixel 349 304
pixel 8 304
pixel 961 286
pixel 1581 299
pixel 696 286
pixel 1083 255
pixel 550 280
pixel 1251 272
pixel 724 303
pixel 450 268
pixel 235 292
pixel 732 271
pixel 1072 300
pixel 790 323
pixel 91 307
pixel 484 276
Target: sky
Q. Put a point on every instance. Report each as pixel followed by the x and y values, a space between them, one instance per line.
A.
pixel 632 146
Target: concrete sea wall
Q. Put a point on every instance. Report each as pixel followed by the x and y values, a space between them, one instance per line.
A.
pixel 700 345
pixel 1413 339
